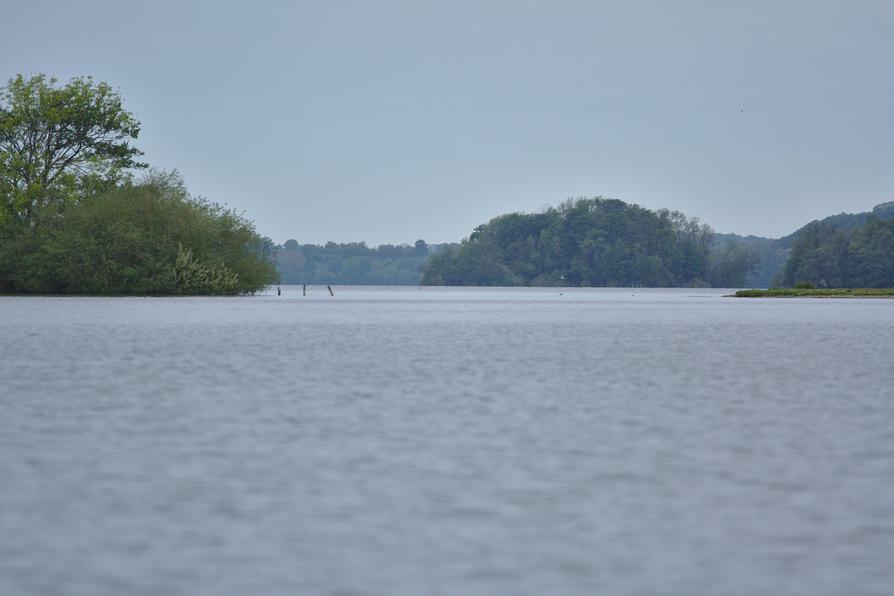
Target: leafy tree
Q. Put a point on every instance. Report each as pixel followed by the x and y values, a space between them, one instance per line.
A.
pixel 58 143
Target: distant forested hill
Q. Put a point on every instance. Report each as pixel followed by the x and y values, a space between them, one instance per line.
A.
pixel 606 242
pixel 592 242
pixel 353 263
pixel 826 255
pixel 815 261
pixel 845 222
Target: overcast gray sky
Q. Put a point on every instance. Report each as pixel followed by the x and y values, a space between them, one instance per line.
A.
pixel 388 121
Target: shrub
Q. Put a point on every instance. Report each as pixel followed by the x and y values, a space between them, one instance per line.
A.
pixel 145 238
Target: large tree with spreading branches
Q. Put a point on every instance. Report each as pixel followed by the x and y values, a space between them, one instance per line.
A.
pixel 61 142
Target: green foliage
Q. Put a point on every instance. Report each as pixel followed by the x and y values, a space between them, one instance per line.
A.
pixel 590 242
pixel 827 256
pixel 72 221
pixel 805 285
pixel 844 222
pixel 145 238
pixel 58 144
pixel 774 253
pixel 190 276
pixel 353 263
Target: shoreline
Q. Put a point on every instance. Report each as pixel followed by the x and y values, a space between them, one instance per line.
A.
pixel 815 293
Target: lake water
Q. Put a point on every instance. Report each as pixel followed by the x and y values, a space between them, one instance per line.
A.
pixel 447 441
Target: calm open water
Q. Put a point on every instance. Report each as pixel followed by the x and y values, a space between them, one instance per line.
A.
pixel 447 441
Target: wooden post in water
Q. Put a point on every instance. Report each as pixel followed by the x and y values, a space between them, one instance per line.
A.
pixel 304 290
pixel 331 293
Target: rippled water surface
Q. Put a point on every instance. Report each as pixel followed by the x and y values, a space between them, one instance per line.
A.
pixel 432 441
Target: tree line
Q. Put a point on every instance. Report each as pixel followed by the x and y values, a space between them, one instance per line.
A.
pixel 824 255
pixel 353 263
pixel 592 242
pixel 73 220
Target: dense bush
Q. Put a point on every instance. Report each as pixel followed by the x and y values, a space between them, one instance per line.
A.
pixel 146 238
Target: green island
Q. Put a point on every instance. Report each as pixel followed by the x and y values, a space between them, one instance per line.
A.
pixel 817 293
pixel 80 214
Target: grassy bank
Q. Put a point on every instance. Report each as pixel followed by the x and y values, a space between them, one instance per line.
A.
pixel 817 293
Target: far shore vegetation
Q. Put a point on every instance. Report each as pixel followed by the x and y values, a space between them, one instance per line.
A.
pixel 75 220
pixel 592 242
pixel 81 214
pixel 354 263
pixel 606 242
pixel 807 292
